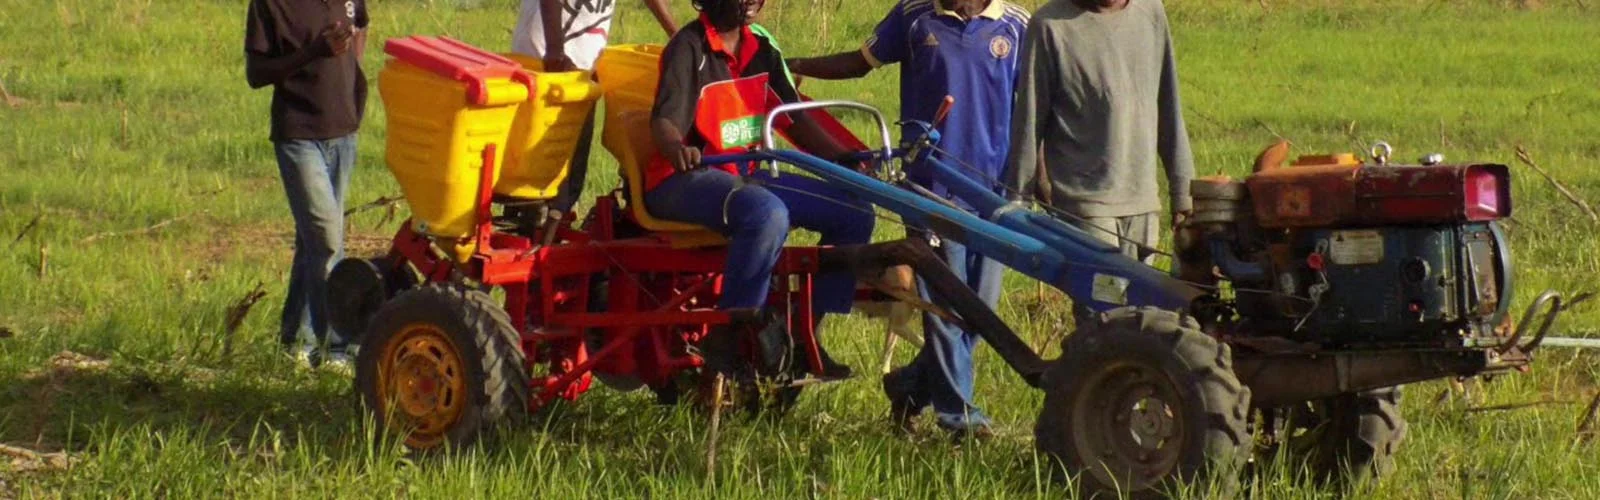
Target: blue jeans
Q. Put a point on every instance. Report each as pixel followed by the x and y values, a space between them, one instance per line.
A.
pixel 315 174
pixel 757 222
pixel 941 374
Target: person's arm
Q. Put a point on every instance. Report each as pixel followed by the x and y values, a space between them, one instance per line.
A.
pixel 555 37
pixel 1172 137
pixel 263 64
pixel 669 141
pixel 841 66
pixel 360 42
pixel 801 129
pixel 262 69
pixel 1030 109
pixel 886 46
pixel 672 116
pixel 663 13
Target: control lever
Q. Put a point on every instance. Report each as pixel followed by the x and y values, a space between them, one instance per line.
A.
pixel 944 110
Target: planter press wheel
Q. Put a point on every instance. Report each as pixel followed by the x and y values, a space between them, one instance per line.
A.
pixel 357 289
pixel 442 365
pixel 1140 400
pixel 600 299
pixel 1346 441
pixel 774 364
pixel 775 361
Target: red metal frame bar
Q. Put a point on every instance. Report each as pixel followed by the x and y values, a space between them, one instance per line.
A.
pixel 808 323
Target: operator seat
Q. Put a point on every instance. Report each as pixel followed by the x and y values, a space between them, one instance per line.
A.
pixel 628 75
pixel 627 136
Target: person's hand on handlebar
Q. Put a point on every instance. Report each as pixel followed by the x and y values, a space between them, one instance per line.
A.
pixel 684 158
pixel 669 141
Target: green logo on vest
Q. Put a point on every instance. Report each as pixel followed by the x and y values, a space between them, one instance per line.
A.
pixel 741 132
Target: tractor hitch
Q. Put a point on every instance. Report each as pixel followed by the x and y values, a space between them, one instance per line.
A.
pixel 1551 305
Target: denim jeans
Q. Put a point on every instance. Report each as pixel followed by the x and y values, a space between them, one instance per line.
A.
pixel 315 174
pixel 756 219
pixel 941 374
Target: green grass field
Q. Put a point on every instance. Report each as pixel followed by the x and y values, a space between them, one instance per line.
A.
pixel 139 200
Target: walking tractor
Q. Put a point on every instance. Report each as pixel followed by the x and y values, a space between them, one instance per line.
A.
pixel 1303 296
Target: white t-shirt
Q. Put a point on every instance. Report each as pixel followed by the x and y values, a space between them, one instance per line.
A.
pixel 587 23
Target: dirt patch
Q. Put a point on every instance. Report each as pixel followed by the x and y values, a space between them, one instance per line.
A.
pixel 49 382
pixel 249 242
pixel 18 103
pixel 52 378
pixel 27 461
pixel 367 245
pixel 67 364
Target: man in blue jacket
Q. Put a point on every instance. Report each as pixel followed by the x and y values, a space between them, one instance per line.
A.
pixel 966 49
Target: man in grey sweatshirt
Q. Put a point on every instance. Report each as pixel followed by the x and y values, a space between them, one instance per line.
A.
pixel 1097 87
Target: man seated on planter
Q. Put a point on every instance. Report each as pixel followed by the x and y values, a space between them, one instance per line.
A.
pixel 718 81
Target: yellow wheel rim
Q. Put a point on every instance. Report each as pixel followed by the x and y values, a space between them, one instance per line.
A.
pixel 422 383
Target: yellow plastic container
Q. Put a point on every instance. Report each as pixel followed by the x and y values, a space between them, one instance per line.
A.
pixel 436 138
pixel 546 131
pixel 628 75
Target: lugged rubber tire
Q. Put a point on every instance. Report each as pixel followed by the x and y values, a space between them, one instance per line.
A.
pixel 487 346
pixel 1209 406
pixel 1357 447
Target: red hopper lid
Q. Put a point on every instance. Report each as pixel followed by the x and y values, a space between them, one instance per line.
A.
pixel 453 59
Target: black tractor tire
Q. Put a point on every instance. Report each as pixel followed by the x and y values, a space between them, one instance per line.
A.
pixel 1347 440
pixel 445 337
pixel 1141 402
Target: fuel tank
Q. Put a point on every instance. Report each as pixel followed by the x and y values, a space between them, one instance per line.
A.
pixel 1331 192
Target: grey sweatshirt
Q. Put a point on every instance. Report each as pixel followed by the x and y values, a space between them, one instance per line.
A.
pixel 1100 91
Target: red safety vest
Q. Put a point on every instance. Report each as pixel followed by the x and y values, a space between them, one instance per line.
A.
pixel 729 115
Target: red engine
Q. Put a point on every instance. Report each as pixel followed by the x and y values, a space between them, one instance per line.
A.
pixel 1339 194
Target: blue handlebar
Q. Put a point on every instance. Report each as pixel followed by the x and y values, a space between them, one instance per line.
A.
pixel 736 158
pixel 767 156
pixel 1090 271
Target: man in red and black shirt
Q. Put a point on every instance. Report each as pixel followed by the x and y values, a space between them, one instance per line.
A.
pixel 309 51
pixel 718 81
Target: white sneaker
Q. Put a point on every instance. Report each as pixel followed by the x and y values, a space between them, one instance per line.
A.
pixel 339 362
pixel 303 355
